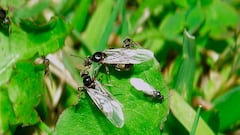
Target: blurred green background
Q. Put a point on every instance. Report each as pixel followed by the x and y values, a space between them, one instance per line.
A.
pixel 203 70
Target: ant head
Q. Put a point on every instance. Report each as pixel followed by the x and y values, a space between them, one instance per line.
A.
pixel 87 62
pixel 2 13
pixel 98 56
pixel 127 43
pixel 87 80
pixel 158 96
pixel 84 73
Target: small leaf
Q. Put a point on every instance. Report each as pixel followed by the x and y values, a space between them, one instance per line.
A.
pixel 194 19
pixel 226 104
pixel 22 44
pixel 216 22
pixel 173 24
pixel 7 116
pixel 25 89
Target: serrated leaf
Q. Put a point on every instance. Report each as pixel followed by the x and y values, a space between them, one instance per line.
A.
pixel 22 44
pixel 226 104
pixel 141 114
pixel 24 90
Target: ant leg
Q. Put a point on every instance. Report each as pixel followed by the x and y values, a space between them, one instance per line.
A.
pixel 80 91
pixel 108 73
pixel 46 63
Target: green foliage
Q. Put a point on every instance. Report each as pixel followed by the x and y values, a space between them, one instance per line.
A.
pixel 225 104
pixel 204 71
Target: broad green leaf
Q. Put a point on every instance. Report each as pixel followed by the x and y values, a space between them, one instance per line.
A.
pixel 33 40
pixel 141 114
pixel 97 24
pixel 185 114
pixel 226 105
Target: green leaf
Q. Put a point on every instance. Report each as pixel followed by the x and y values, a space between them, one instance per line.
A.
pixel 104 39
pixel 80 15
pixel 141 114
pixel 173 24
pixel 195 123
pixel 22 44
pixel 194 19
pixel 226 105
pixel 97 25
pixel 24 89
pixel 185 115
pixel 142 13
pixel 212 119
pixel 181 3
pixel 12 3
pixel 27 12
pixel 184 82
pixel 216 22
pixel 7 116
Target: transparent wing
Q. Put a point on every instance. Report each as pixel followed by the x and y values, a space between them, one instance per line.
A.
pixel 143 86
pixel 127 56
pixel 110 107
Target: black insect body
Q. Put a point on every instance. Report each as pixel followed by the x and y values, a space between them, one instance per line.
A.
pixel 109 106
pixel 123 67
pixel 157 96
pixel 4 20
pixel 98 56
pixel 46 62
pixel 87 81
